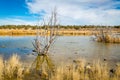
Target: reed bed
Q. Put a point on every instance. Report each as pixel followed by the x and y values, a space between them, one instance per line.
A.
pixel 107 35
pixel 14 69
pixel 60 32
pixel 108 38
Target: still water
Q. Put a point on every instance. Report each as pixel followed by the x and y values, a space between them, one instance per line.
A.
pixel 65 48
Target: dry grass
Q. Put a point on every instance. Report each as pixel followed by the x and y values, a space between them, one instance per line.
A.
pixel 13 69
pixel 108 38
pixel 1 68
pixel 61 32
pixel 107 35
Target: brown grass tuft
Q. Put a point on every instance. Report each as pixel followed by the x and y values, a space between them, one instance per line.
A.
pixel 13 69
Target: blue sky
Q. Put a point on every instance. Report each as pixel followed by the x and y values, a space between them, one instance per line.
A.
pixel 15 12
pixel 70 12
pixel 13 8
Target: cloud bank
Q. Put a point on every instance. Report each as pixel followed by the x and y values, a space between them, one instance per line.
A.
pixel 16 21
pixel 79 12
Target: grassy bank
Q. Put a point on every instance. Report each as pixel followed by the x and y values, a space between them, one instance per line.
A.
pixel 14 69
pixel 82 31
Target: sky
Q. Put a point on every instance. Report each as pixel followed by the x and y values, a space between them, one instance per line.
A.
pixel 70 12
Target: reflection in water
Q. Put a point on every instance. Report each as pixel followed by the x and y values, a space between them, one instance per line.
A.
pixel 66 48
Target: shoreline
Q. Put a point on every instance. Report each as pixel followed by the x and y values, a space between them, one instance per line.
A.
pixel 61 32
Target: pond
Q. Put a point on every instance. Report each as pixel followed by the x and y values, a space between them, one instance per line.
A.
pixel 65 48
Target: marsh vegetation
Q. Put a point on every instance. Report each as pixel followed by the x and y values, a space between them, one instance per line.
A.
pixel 14 69
pixel 63 30
pixel 106 35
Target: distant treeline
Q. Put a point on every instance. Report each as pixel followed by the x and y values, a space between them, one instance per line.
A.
pixel 61 26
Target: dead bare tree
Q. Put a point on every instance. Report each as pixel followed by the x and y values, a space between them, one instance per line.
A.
pixel 43 43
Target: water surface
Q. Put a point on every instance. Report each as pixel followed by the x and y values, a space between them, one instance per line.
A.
pixel 65 48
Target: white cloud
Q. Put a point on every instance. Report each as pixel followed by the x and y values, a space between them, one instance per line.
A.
pixel 15 21
pixel 81 12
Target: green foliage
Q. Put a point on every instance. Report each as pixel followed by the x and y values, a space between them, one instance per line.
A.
pixel 76 27
pixel 117 26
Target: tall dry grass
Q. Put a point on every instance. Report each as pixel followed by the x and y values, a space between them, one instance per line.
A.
pixel 1 68
pixel 108 38
pixel 82 71
pixel 13 69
